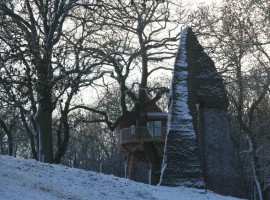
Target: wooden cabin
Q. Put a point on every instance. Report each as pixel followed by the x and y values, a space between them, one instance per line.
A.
pixel 132 139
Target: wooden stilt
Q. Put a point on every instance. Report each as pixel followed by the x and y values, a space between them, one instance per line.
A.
pixel 130 167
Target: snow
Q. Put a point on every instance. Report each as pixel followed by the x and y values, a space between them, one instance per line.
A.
pixel 181 61
pixel 179 95
pixel 22 179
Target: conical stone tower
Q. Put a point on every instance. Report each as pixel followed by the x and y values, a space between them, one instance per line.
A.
pixel 181 165
pixel 199 149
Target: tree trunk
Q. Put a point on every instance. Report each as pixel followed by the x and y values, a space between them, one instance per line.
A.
pixel 44 124
pixel 150 149
pixel 62 146
pixel 10 138
pixel 254 167
pixel 155 161
pixel 10 145
pixel 31 136
pixel 44 114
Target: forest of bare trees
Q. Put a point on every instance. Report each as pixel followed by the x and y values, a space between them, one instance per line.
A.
pixel 71 69
pixel 53 51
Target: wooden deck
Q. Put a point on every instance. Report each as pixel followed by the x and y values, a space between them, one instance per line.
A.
pixel 131 139
pixel 142 134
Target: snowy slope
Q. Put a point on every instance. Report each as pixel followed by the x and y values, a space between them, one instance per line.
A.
pixel 29 179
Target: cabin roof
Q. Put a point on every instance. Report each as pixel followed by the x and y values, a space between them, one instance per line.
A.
pixel 153 107
pixel 157 114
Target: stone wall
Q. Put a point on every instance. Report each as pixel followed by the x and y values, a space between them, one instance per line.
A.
pixel 221 162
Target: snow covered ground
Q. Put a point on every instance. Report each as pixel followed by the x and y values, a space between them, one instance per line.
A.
pixel 31 180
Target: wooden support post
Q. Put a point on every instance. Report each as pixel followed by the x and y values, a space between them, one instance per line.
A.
pixel 130 166
pixel 150 175
pixel 101 167
pixel 128 163
pixel 126 169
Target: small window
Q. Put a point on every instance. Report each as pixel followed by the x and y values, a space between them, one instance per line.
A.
pixel 132 129
pixel 154 128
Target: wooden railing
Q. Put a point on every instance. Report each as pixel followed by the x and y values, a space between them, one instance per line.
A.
pixel 142 134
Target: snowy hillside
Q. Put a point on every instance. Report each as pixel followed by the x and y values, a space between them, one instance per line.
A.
pixel 29 179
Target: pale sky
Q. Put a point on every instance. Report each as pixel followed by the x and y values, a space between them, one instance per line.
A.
pixel 201 1
pixel 196 2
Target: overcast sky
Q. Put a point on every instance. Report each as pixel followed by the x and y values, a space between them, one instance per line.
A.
pixel 196 2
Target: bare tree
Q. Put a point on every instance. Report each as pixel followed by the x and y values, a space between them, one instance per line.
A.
pixel 32 34
pixel 140 39
pixel 92 142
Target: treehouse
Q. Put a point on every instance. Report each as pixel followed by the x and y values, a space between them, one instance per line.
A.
pixel 143 145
